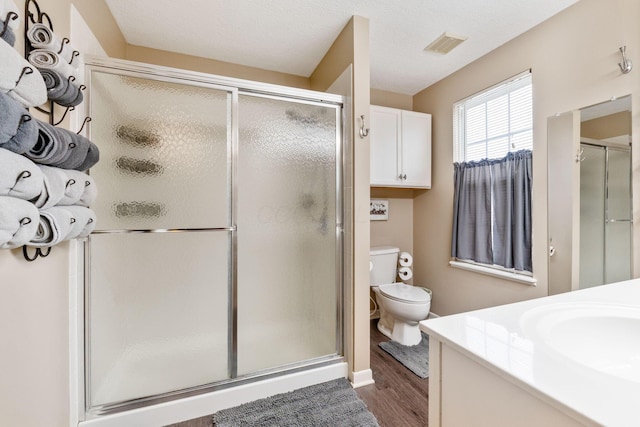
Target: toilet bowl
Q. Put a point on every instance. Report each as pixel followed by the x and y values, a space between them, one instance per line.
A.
pixel 401 306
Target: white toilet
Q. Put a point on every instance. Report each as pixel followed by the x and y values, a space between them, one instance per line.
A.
pixel 401 306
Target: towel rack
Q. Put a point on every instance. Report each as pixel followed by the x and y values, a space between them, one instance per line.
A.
pixel 38 253
pixel 34 15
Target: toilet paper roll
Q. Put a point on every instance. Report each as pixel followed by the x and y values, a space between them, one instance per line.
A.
pixel 405 259
pixel 405 273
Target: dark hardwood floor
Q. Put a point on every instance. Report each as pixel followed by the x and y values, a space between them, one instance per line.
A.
pixel 399 398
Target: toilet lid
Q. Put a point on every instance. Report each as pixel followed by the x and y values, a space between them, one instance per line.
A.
pixel 405 293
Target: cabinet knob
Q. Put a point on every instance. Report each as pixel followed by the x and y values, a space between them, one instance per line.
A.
pixel 404 176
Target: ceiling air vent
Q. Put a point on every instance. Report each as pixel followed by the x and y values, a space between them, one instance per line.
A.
pixel 445 43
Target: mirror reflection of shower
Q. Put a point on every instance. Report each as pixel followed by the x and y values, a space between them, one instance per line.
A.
pixel 605 193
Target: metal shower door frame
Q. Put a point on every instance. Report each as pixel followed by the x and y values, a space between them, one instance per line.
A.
pixel 234 87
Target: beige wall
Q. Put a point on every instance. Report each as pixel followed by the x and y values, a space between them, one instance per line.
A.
pixel 398 229
pixel 391 99
pixel 351 47
pixel 574 58
pixel 98 17
pixel 607 126
pixel 212 66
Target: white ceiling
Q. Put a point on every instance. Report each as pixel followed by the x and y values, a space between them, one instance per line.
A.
pixel 292 36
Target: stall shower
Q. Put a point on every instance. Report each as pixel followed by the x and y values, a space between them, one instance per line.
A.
pixel 218 253
pixel 605 213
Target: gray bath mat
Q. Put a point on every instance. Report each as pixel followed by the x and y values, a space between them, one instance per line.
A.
pixel 415 357
pixel 333 403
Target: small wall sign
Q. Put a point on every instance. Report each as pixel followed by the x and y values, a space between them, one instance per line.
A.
pixel 379 210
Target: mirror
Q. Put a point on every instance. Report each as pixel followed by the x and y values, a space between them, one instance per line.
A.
pixel 590 196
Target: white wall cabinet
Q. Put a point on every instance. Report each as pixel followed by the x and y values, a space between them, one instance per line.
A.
pixel 400 148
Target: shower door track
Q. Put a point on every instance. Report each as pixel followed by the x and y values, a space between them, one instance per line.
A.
pixel 128 405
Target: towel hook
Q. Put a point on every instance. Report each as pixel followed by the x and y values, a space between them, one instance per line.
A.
pixel 73 56
pixel 11 16
pixel 25 71
pixel 86 120
pixel 63 115
pixel 626 65
pixel 38 253
pixel 363 132
pixel 24 119
pixel 64 41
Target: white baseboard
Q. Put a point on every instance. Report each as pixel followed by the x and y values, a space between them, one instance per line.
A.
pixel 432 315
pixel 362 378
pixel 205 404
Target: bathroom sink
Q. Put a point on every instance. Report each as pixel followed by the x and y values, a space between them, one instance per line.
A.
pixel 600 336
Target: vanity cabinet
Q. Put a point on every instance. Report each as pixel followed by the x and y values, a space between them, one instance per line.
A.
pixel 400 148
pixel 463 392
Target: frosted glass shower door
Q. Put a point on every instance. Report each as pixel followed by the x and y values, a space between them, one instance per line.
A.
pixel 592 216
pixel 159 262
pixel 287 239
pixel 618 226
pixel 605 215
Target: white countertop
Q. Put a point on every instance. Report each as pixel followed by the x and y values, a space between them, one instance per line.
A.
pixel 578 351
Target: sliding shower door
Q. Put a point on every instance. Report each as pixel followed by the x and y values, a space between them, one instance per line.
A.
pixel 605 215
pixel 287 241
pixel 159 261
pixel 217 256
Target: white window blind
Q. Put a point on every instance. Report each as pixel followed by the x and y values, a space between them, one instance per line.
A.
pixel 492 123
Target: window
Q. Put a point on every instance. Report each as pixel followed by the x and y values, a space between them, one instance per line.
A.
pixel 495 122
pixel 493 133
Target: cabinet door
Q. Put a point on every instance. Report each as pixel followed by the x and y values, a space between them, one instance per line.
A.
pixel 385 135
pixel 416 149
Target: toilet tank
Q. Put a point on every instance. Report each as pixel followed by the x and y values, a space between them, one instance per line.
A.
pixel 385 265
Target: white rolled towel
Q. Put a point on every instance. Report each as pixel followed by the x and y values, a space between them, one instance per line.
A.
pixel 53 187
pixel 42 37
pixel 18 222
pixel 405 259
pixel 19 176
pixel 54 226
pixel 84 219
pixel 43 58
pixel 7 6
pixel 74 187
pixel 19 79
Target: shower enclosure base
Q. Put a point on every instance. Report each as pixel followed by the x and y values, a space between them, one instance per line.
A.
pixel 205 404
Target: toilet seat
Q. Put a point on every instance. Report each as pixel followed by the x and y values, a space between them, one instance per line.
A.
pixel 405 293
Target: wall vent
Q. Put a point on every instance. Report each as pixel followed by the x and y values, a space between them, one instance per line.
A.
pixel 445 43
